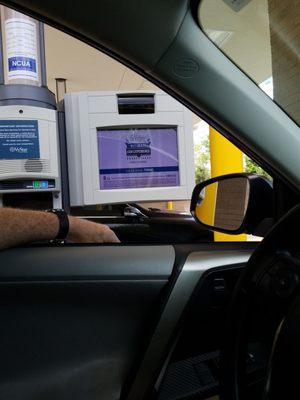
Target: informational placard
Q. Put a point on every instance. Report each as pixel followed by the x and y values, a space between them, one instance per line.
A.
pixel 19 139
pixel 21 48
pixel 138 158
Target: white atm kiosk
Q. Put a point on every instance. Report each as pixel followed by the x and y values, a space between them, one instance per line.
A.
pixel 30 144
pixel 128 147
pixel 29 159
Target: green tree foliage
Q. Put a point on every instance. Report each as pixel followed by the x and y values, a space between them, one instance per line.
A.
pixel 202 161
pixel 252 168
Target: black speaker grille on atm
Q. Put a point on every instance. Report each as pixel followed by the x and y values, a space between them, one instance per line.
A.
pixel 33 165
pixel 136 103
pixel 25 165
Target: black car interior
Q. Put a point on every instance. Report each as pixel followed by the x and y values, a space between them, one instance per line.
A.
pixel 167 314
pixel 142 321
pixel 76 320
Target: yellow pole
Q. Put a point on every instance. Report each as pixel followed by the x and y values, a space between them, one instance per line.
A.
pixel 225 158
pixel 206 213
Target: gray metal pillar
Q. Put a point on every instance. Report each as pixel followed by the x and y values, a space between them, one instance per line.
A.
pixel 42 55
pixel 23 78
pixel 61 90
pixel 1 53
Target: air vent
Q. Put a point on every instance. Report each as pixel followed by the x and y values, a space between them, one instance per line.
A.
pixel 136 103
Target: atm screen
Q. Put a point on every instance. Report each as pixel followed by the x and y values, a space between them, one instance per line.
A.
pixel 131 158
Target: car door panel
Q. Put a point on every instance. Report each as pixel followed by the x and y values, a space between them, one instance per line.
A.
pixel 73 318
pixel 96 262
pixel 84 322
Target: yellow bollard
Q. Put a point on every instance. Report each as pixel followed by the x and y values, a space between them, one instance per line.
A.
pixel 225 158
pixel 170 205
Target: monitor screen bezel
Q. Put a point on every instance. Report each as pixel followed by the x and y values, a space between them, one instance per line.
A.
pixel 140 127
pixel 98 196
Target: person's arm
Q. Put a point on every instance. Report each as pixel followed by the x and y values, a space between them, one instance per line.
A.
pixel 18 227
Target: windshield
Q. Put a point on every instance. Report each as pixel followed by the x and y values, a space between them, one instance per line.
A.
pixel 263 38
pixel 80 68
pixel 130 147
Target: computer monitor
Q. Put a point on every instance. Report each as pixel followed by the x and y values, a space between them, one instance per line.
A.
pixel 117 154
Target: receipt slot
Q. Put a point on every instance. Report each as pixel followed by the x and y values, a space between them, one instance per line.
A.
pixel 30 169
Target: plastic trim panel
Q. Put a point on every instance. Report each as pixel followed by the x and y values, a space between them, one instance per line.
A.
pixel 196 265
pixel 87 263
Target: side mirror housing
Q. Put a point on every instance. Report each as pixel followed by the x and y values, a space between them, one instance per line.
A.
pixel 234 204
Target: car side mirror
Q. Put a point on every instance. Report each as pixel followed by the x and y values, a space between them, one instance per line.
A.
pixel 234 203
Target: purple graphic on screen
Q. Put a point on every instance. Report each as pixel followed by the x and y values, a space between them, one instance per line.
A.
pixel 133 158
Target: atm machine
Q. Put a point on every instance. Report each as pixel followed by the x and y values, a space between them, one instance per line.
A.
pixel 30 144
pixel 139 143
pixel 127 147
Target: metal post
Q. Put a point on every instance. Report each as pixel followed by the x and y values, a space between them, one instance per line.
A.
pixel 63 161
pixel 61 89
pixel 42 55
pixel 1 55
